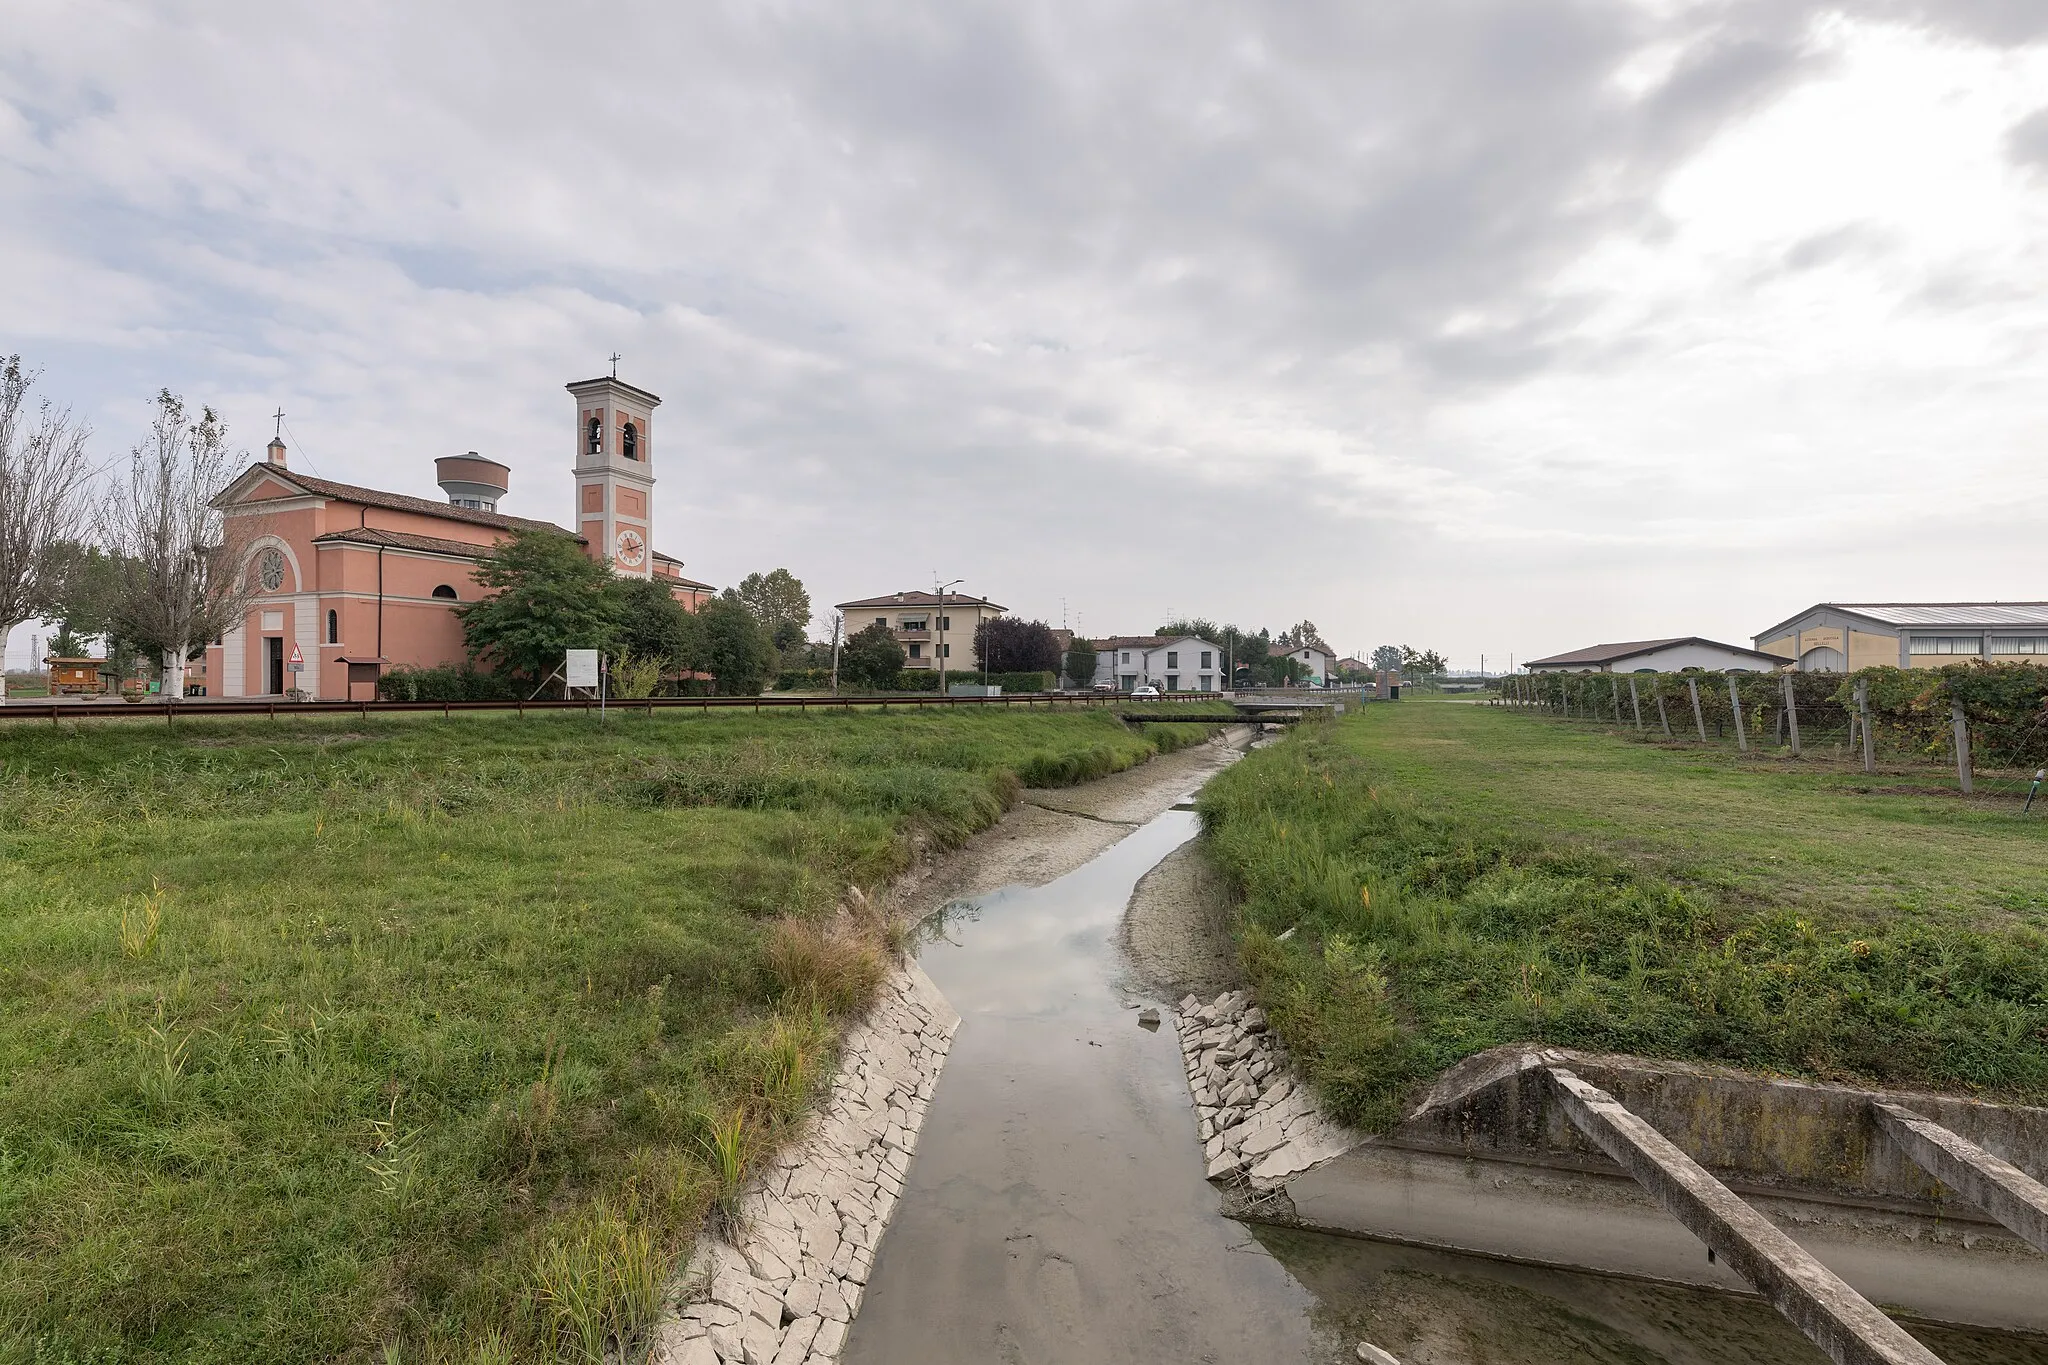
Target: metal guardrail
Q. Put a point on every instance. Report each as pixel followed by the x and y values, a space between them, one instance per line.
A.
pixel 169 711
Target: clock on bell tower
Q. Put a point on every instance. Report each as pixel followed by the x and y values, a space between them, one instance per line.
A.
pixel 614 473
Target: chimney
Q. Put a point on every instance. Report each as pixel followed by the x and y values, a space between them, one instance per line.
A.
pixel 472 481
pixel 274 452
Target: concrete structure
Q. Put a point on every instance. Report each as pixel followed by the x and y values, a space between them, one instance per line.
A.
pixel 1916 1200
pixel 1834 637
pixel 926 632
pixel 355 580
pixel 814 1219
pixel 1315 657
pixel 1659 656
pixel 1182 663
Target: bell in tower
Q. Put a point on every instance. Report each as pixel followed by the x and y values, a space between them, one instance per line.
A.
pixel 614 473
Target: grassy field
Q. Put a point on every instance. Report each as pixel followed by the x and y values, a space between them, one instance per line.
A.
pixel 418 1039
pixel 1460 876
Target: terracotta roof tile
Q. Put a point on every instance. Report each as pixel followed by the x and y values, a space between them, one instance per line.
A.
pixel 401 502
pixel 402 540
pixel 920 599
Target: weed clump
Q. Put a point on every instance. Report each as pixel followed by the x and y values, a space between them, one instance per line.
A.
pixel 833 968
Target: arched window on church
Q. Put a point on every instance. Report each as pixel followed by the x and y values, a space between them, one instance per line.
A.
pixel 597 436
pixel 632 442
pixel 333 627
pixel 446 592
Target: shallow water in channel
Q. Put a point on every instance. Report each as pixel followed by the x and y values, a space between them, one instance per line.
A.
pixel 1056 1210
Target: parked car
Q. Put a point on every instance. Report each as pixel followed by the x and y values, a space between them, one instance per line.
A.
pixel 1145 692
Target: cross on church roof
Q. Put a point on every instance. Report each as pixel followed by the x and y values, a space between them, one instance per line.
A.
pixel 279 432
pixel 615 364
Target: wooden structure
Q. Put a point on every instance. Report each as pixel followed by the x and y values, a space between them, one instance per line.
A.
pixel 75 675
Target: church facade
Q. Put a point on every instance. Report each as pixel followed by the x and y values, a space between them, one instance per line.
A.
pixel 354 581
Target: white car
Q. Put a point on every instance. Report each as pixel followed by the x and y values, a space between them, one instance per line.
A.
pixel 1145 692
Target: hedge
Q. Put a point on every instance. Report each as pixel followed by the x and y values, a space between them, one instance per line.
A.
pixel 448 682
pixel 913 680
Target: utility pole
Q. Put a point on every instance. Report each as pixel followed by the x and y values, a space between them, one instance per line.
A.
pixel 837 620
pixel 939 636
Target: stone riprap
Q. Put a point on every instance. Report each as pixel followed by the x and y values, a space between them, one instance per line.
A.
pixel 1256 1121
pixel 787 1293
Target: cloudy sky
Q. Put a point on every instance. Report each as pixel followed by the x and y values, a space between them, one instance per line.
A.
pixel 1498 326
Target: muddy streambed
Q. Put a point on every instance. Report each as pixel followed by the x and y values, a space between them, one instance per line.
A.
pixel 1056 1210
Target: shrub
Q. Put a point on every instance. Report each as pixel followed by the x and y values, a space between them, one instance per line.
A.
pixel 445 682
pixel 803 680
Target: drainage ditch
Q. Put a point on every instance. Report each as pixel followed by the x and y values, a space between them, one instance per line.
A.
pixel 1057 1209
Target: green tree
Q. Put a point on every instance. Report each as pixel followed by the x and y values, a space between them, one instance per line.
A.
pixel 735 648
pixel 653 626
pixel 779 602
pixel 1201 627
pixel 1387 658
pixel 1081 662
pixel 1243 648
pixel 1300 635
pixel 88 582
pixel 1422 662
pixel 549 596
pixel 1004 644
pixel 870 659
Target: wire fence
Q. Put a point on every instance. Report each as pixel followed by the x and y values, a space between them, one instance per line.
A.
pixel 1972 729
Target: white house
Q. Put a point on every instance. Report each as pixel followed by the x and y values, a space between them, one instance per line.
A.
pixel 1183 664
pixel 1315 657
pixel 1659 656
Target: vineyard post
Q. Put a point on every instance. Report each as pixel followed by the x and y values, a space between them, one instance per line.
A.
pixel 1735 701
pixel 1962 729
pixel 1792 713
pixel 1663 716
pixel 1635 703
pixel 1699 718
pixel 1863 719
pixel 1614 686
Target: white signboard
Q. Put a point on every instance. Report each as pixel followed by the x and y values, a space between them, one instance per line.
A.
pixel 581 669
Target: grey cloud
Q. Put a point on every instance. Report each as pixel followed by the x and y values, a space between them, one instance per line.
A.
pixel 2027 143
pixel 1828 247
pixel 1259 249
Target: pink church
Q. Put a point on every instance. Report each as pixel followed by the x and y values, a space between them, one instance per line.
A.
pixel 355 580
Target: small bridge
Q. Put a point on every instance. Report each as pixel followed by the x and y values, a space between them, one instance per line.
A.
pixel 1255 711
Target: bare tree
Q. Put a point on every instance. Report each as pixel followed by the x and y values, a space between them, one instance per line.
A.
pixel 43 502
pixel 185 571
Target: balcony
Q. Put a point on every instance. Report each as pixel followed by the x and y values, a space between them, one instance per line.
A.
pixel 908 635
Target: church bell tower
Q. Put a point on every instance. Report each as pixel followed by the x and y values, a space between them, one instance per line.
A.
pixel 615 473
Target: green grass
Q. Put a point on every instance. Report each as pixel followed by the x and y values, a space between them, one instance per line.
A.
pixel 321 1037
pixel 1459 876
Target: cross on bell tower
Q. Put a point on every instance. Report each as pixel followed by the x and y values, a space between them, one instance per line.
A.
pixel 614 472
